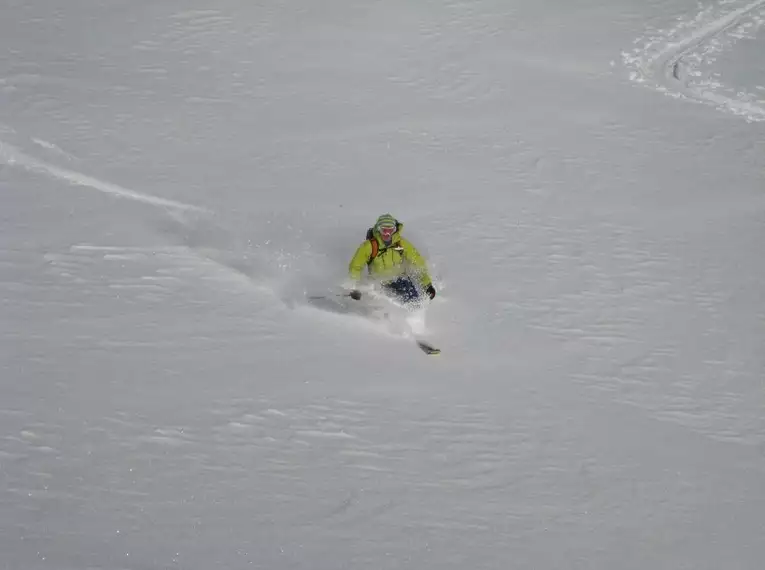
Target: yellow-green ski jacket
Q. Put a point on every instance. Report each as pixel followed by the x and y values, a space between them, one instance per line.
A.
pixel 397 259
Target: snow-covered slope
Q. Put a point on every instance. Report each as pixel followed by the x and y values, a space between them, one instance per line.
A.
pixel 175 178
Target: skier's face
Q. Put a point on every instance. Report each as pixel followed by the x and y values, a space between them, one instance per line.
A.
pixel 387 233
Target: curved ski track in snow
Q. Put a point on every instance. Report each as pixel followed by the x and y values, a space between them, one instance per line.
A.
pixel 13 156
pixel 661 60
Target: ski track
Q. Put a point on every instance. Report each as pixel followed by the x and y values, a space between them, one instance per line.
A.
pixel 13 156
pixel 131 284
pixel 154 273
pixel 663 59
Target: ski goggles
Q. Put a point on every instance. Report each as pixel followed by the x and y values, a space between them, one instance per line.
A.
pixel 387 232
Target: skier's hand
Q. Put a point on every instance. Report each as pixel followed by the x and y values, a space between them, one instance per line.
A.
pixel 431 291
pixel 355 295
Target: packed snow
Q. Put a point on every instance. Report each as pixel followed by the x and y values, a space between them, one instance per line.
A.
pixel 586 182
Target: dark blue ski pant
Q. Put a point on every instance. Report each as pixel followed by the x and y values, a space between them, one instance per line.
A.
pixel 402 289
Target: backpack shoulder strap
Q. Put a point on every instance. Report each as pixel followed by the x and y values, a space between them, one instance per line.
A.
pixel 375 249
pixel 375 246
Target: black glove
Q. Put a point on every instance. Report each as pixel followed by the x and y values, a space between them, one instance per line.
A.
pixel 355 295
pixel 431 291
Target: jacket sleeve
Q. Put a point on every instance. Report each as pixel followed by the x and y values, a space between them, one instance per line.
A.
pixel 359 261
pixel 416 263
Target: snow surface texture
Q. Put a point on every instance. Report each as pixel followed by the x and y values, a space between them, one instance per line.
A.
pixel 176 176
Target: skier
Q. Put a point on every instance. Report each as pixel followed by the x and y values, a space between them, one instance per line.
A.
pixel 391 260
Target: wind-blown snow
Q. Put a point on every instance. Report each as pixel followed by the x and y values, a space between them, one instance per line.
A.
pixel 177 177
